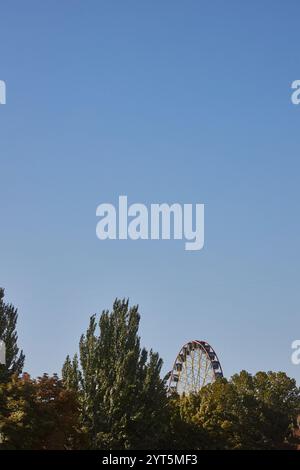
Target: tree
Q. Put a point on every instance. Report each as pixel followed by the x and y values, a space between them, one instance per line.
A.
pixel 71 374
pixel 245 412
pixel 183 433
pixel 38 414
pixel 123 399
pixel 8 334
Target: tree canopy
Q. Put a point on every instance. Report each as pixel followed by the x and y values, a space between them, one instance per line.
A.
pixel 246 412
pixel 14 359
pixel 111 396
pixel 122 395
pixel 38 414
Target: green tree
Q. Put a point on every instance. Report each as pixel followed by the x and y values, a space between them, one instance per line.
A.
pixel 183 432
pixel 245 412
pixel 123 399
pixel 71 374
pixel 8 334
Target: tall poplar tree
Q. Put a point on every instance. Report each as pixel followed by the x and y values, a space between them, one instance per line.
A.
pixel 14 359
pixel 123 398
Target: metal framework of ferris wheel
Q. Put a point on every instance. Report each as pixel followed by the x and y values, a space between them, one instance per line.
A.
pixel 195 366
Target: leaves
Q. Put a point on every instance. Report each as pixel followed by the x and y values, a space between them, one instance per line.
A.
pixel 123 399
pixel 8 321
pixel 245 412
pixel 38 414
pixel 111 397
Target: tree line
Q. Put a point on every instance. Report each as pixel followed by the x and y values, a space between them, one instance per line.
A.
pixel 111 396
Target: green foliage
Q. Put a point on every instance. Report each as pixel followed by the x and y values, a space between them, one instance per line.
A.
pixel 112 397
pixel 183 433
pixel 246 412
pixel 71 374
pixel 14 358
pixel 124 403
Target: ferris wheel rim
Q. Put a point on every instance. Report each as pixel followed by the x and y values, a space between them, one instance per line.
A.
pixel 209 352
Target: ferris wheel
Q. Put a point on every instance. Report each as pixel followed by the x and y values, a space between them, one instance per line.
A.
pixel 196 365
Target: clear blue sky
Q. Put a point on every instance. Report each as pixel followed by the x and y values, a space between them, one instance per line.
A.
pixel 164 101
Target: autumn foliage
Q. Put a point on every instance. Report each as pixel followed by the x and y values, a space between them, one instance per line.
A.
pixel 38 414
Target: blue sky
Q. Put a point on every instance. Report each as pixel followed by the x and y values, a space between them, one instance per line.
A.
pixel 164 101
